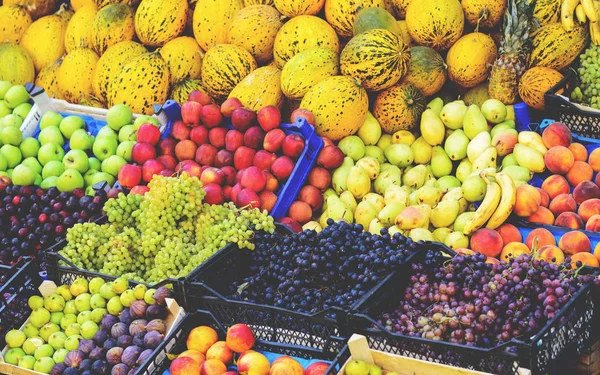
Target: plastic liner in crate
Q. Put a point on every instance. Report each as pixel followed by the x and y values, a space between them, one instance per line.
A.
pixel 333 350
pixel 568 332
pixel 287 193
pixel 17 284
pixel 581 119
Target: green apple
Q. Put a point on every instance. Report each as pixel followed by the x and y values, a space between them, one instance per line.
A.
pixel 49 152
pixel 38 179
pixel 4 110
pixel 11 135
pixel 95 163
pixel 118 116
pixel 76 159
pixel 107 132
pixel 127 133
pixel 102 176
pixel 52 168
pixel 104 147
pixel 69 180
pixel 27 362
pixel 49 119
pixel 51 135
pixel 29 147
pixel 69 124
pixel 113 164
pixel 12 155
pixel 124 150
pixel 16 95
pixel 9 172
pixel 32 163
pixel 12 120
pixel 88 176
pixel 4 86
pixel 90 191
pixel 48 182
pixel 81 140
pixel 22 110
pixel 3 163
pixel 23 175
pixel 144 119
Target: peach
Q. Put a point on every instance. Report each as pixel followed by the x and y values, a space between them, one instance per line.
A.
pixel 184 366
pixel 201 338
pixel 240 338
pixel 487 241
pixel 586 259
pixel 317 368
pixel 597 179
pixel 195 355
pixel 588 209
pixel 253 364
pixel 491 260
pixel 509 233
pixel 575 242
pixel 551 254
pixel 528 201
pixel 569 220
pixel 597 251
pixel 286 365
pixel 291 223
pixel 593 223
pixel 542 216
pixel 580 171
pixel 463 251
pixel 319 178
pixel 213 367
pixel 267 200
pixel 219 350
pixel 539 237
pixel 579 151
pixel 563 203
pixel 513 250
pixel 555 185
pixel 311 195
pixel 272 183
pixel 586 190
pixel 557 134
pixel 300 212
pixel 231 373
pixel 545 197
pixel 594 160
pixel 559 159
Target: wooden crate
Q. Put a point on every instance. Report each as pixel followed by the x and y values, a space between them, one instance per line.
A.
pixel 589 363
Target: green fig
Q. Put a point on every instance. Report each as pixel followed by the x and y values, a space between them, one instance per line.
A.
pixel 474 122
pixel 441 165
pixel 456 145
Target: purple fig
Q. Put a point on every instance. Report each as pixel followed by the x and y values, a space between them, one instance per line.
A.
pixel 137 326
pixel 157 325
pixel 97 353
pixel 125 316
pixel 144 356
pixel 153 339
pixel 74 358
pixel 86 364
pixel 101 367
pixel 108 321
pixel 109 344
pixel 124 341
pixel 137 310
pixel 113 356
pixel 100 337
pixel 118 330
pixel 130 355
pixel 161 294
pixel 138 339
pixel 156 312
pixel 58 369
pixel 86 346
pixel 120 369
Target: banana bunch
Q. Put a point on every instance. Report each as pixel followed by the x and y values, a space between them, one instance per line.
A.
pixel 582 11
pixel 497 205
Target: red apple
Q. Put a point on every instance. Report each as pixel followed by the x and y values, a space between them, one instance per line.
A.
pixel 267 200
pixel 139 189
pixel 319 178
pixel 168 161
pixel 242 118
pixel 303 113
pixel 311 196
pixel 212 175
pixel 293 145
pixel 211 115
pixel 254 179
pixel 206 154
pixel 148 133
pixel 190 167
pixel 264 159
pixel 216 136
pixel 167 173
pixel 150 168
pixel 167 146
pixel 185 150
pixel 247 198
pixel 269 117
pixel 292 224
pixel 204 167
pixel 253 137
pixel 234 192
pixel 300 212
pixel 243 157
pixel 229 106
pixel 180 131
pixel 282 168
pixel 142 152
pixel 200 97
pixel 327 142
pixel 230 174
pixel 190 113
pixel 199 135
pixel 227 192
pixel 234 139
pixel 272 183
pixel 317 368
pixel 330 157
pixel 239 175
pixel 130 175
pixel 273 140
pixel 111 194
pixel 223 158
pixel 214 194
pixel 4 182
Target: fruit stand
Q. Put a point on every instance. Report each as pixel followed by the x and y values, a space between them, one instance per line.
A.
pixel 299 187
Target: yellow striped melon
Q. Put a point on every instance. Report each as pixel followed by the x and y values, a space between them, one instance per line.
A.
pixel 112 24
pixel 16 66
pixel 212 19
pixel 158 21
pixel 375 18
pixel 295 8
pixel 103 3
pixel 259 89
pixel 183 56
pixel 223 67
pixel 484 13
pixel 436 24
pixel 404 34
pixel 340 105
pixel 546 11
pixel 92 102
pixel 78 4
pixel 247 3
pixel 37 8
pixel 254 28
pixel 341 13
pixel 15 20
pixel 377 58
pixel 79 33
pixel 534 84
pixel 427 70
pixel 44 40
pixel 111 64
pixel 306 69
pixel 470 58
pixel 182 89
pixel 143 82
pixel 555 48
pixel 75 74
pixel 48 79
pixel 399 107
pixel 399 8
pixel 301 33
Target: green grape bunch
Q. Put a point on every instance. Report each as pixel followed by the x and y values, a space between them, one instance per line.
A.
pixel 588 92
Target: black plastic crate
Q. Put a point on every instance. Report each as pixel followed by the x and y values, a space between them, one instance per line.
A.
pixel 18 284
pixel 567 334
pixel 582 122
pixel 334 350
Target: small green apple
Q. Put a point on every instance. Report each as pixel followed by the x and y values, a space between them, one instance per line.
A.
pixel 33 163
pixel 95 163
pixel 127 133
pixel 76 159
pixel 12 155
pixel 44 365
pixel 52 168
pixel 16 95
pixel 107 132
pixel 118 116
pixel 102 176
pixel 113 164
pixel 145 119
pixel 27 362
pixel 50 151
pixel 38 179
pixel 11 136
pixel 29 147
pixel 4 110
pixel 81 140
pixel 104 147
pixel 90 191
pixel 3 163
pixel 23 175
pixel 70 124
pixel 4 86
pixel 14 355
pixel 51 135
pixel 22 110
pixel 48 182
pixel 12 120
pixel 49 119
pixel 88 176
pixel 124 150
pixel 69 180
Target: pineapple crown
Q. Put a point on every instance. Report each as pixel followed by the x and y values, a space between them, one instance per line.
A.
pixel 516 27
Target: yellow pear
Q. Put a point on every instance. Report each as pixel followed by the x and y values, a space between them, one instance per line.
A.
pixel 441 165
pixel 453 113
pixel 432 128
pixel 456 145
pixel 463 170
pixel 388 214
pixel 436 105
pixel 420 234
pixel 440 234
pixel 478 145
pixel 444 213
pixel 429 195
pixel 487 159
pixel 414 217
pixel 529 158
pixel 348 200
pixel 336 210
pixel 456 240
pixel 421 151
pixel 375 226
pixel 415 176
pixel 533 140
pixel 396 194
pixel 358 182
pixel 461 220
pixel 312 225
pixel 323 219
pixel 394 229
pixel 375 152
pixel 370 130
pixel 365 212
pixel 370 165
pixel 474 122
pixel 390 175
pixel 457 195
pixel 339 177
pixel 403 137
pixel 384 141
pixel 375 199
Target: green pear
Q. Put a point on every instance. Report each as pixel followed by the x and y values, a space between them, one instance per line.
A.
pixel 421 151
pixel 529 158
pixel 384 141
pixel 436 105
pixel 394 229
pixel 414 217
pixel 336 210
pixel 357 368
pixel 390 175
pixel 358 182
pixel 487 159
pixel 477 145
pixel 420 234
pixel 457 240
pixel 374 370
pixel 415 176
pixel 457 195
pixel 474 188
pixel 444 213
pixel 461 220
pixel 396 194
pixel 340 175
pixel 365 212
pixel 508 124
pixel 375 199
pixel 375 152
pixel 494 111
pixel 432 128
pixel 440 234
pixel 404 137
pixel 533 140
pixel 474 122
pixel 323 219
pixel 348 199
pixel 370 130
pixel 352 146
pixel 453 113
pixel 412 199
pixel 328 192
pixel 313 225
pixel 445 183
pixel 370 165
pixel 441 165
pixel 375 226
pixel 463 170
pixel 456 145
pixel 429 195
pixel 518 173
pixel 399 154
pixel 509 160
pixel 388 214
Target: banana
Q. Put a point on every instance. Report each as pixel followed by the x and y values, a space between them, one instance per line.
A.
pixel 595 33
pixel 590 11
pixel 507 201
pixel 566 13
pixel 486 209
pixel 580 14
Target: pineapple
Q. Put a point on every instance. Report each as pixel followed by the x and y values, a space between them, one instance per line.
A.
pixel 515 45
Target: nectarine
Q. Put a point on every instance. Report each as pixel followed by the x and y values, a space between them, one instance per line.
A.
pixel 509 233
pixel 580 171
pixel 201 338
pixel 575 242
pixel 538 238
pixel 240 338
pixel 487 242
